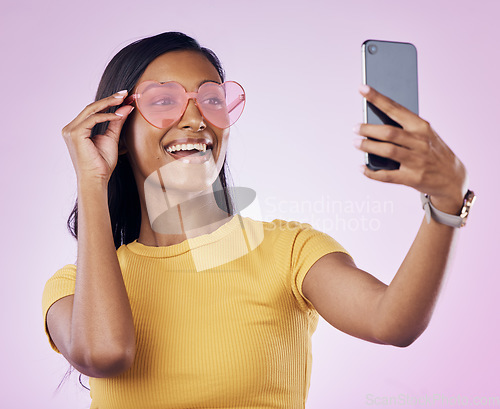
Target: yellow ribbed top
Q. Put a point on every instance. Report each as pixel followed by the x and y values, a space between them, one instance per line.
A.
pixel 220 319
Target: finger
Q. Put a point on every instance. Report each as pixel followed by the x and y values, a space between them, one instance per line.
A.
pixel 397 112
pixel 88 123
pixel 115 127
pixel 102 104
pixel 402 176
pixel 384 149
pixel 388 133
pixel 387 176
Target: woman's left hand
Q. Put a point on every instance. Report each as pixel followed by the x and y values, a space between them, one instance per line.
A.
pixel 427 163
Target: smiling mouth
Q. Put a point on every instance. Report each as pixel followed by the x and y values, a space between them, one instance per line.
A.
pixel 190 153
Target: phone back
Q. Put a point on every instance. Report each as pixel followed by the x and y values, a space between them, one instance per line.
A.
pixel 391 68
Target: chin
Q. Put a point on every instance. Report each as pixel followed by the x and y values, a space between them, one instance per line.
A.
pixel 199 185
pixel 187 177
pixel 170 186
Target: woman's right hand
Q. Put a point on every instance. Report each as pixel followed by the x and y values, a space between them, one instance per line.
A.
pixel 96 157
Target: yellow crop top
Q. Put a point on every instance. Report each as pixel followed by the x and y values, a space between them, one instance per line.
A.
pixel 220 319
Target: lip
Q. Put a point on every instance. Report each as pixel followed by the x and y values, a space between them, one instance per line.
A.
pixel 198 157
pixel 187 140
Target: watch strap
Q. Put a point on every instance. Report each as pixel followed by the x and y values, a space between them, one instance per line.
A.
pixel 438 215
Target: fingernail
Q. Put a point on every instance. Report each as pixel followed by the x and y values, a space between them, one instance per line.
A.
pixel 130 110
pixel 121 94
pixel 357 142
pixel 364 89
pixel 356 128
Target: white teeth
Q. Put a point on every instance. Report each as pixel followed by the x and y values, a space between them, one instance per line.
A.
pixel 187 147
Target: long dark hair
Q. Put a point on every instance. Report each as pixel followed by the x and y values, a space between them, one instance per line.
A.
pixel 123 72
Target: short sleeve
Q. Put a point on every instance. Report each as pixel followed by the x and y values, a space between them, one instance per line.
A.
pixel 309 245
pixel 60 285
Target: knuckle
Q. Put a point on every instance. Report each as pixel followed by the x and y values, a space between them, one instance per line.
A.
pixel 426 145
pixel 418 136
pixel 392 134
pixel 66 132
pixel 425 126
pixel 391 150
pixel 391 106
pixel 386 177
pixel 396 104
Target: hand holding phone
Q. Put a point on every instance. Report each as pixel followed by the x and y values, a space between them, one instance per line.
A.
pixel 427 163
pixel 390 68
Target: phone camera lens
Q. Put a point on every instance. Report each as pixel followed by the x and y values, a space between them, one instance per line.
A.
pixel 372 49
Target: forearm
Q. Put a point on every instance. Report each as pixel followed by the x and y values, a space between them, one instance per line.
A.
pixel 407 305
pixel 102 327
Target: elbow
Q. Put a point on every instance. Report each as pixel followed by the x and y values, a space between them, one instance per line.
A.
pixel 110 364
pixel 399 338
pixel 403 343
pixel 106 364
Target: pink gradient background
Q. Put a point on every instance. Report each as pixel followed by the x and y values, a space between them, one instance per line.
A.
pixel 300 64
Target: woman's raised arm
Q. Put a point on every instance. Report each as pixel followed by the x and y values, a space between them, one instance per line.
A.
pixel 94 328
pixel 353 300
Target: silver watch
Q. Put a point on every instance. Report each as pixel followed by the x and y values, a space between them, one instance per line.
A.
pixel 445 218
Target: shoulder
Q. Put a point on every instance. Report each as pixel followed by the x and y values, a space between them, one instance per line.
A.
pixel 275 230
pixel 285 227
pixel 295 231
pixel 66 272
pixel 291 236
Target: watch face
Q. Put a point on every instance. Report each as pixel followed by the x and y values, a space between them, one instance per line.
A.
pixel 469 200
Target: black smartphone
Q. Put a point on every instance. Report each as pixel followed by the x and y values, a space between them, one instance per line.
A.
pixel 391 68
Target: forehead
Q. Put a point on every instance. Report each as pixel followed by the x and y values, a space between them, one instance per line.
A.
pixel 189 68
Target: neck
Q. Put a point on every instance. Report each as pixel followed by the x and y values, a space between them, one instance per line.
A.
pixel 170 217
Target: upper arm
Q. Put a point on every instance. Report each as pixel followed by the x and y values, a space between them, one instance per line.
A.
pixel 59 325
pixel 345 296
pixel 59 328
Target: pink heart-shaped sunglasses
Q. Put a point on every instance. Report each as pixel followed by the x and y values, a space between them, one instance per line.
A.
pixel 162 104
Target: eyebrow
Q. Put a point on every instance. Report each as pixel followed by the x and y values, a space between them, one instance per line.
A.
pixel 205 81
pixel 199 85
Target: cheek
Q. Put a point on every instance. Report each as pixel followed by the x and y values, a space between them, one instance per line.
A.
pixel 141 140
pixel 223 138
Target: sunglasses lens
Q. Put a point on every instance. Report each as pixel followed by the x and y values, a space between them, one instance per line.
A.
pixel 161 104
pixel 235 100
pixel 223 104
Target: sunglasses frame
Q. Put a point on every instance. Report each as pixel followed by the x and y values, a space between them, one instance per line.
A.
pixel 190 95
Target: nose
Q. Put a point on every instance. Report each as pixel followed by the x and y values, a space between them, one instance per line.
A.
pixel 192 117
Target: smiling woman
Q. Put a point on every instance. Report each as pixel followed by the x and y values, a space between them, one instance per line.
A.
pixel 131 314
pixel 176 300
pixel 124 72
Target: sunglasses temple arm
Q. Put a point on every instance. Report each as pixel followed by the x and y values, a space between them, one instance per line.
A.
pixel 235 103
pixel 129 100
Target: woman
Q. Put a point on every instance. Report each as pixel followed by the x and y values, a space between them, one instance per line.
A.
pixel 178 301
